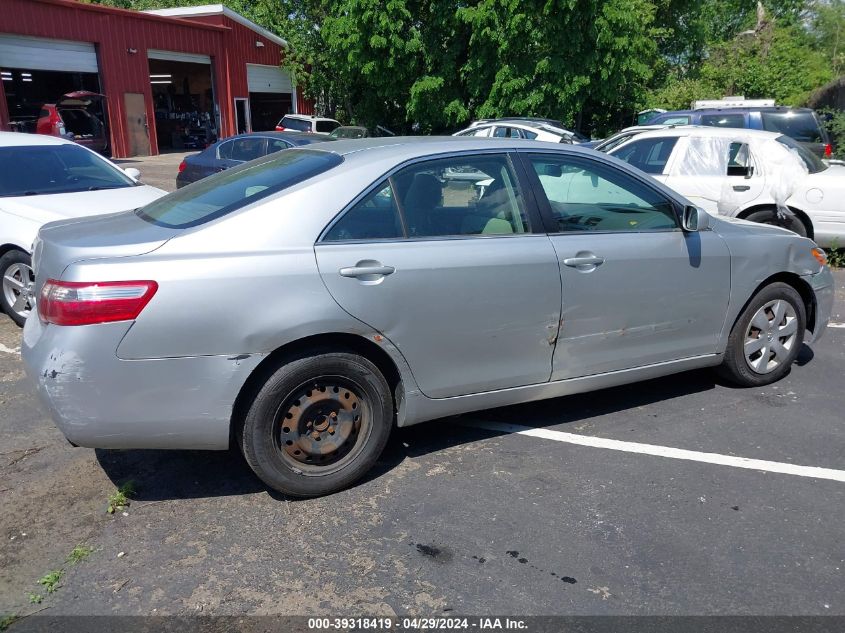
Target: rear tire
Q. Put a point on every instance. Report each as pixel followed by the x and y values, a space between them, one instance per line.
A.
pixel 770 216
pixel 318 424
pixel 766 338
pixel 18 281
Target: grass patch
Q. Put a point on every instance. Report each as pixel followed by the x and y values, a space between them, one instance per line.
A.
pixel 79 553
pixel 51 580
pixel 119 499
pixel 836 256
pixel 8 620
pixel 35 598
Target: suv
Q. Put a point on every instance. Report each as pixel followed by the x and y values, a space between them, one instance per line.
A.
pixel 306 123
pixel 802 124
pixel 70 118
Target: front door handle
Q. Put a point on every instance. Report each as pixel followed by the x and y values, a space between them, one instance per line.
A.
pixel 366 271
pixel 583 261
pixel 741 187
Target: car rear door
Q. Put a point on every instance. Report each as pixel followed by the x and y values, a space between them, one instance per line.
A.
pixel 459 276
pixel 637 290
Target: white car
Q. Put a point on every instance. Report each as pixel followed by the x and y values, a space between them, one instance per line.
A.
pixel 531 129
pixel 307 123
pixel 43 179
pixel 748 174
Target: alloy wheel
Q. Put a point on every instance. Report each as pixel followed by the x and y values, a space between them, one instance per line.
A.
pixel 18 284
pixel 771 336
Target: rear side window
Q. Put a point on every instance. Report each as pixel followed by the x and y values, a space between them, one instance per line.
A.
pixel 376 217
pixel 648 154
pixel 228 191
pixel 246 149
pixel 802 126
pixel 723 120
pixel 290 123
pixel 326 126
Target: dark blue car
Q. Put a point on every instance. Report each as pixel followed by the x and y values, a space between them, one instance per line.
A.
pixel 234 150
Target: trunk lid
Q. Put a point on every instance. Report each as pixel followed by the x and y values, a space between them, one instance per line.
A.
pixel 60 244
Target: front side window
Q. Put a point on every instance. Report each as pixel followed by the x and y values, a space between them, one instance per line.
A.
pixel 475 195
pixel 587 196
pixel 327 126
pixel 723 120
pixel 233 189
pixel 48 169
pixel 506 132
pixel 648 154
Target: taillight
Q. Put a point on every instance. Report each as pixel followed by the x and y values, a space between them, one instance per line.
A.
pixel 182 166
pixel 828 151
pixel 86 303
pixel 280 128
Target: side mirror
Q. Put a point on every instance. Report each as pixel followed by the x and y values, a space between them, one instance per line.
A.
pixel 695 219
pixel 132 173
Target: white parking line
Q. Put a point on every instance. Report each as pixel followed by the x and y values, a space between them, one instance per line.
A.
pixel 9 350
pixel 663 451
pixel 842 325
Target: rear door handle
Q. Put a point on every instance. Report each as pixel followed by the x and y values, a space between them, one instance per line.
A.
pixel 363 271
pixel 741 187
pixel 588 260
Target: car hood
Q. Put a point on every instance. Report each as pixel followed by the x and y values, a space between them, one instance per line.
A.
pixel 60 206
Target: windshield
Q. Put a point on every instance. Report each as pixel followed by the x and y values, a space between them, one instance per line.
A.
pixel 49 169
pixel 228 191
pixel 813 163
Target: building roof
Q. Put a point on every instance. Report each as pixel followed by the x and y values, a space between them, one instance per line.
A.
pixel 217 9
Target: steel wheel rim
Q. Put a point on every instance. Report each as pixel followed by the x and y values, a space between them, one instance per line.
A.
pixel 771 336
pixel 322 425
pixel 18 281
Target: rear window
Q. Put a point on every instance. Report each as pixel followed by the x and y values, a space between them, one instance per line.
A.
pixel 802 126
pixel 649 154
pixel 233 189
pixel 813 163
pixel 290 123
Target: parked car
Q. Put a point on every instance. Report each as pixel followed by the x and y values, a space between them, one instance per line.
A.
pixel 607 144
pixel 304 304
pixel 359 131
pixel 759 176
pixel 801 124
pixel 531 129
pixel 306 123
pixel 42 179
pixel 70 117
pixel 236 150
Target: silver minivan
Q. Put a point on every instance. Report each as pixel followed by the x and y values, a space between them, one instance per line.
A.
pixel 304 304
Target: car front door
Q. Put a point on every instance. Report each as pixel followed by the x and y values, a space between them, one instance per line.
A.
pixel 458 276
pixel 637 290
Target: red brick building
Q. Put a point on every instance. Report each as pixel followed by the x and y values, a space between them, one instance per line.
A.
pixel 172 78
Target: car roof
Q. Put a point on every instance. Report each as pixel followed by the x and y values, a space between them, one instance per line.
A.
pixel 705 131
pixel 308 117
pixel 20 139
pixel 291 136
pixel 734 109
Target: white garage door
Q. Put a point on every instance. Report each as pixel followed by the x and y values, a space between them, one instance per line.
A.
pixel 35 53
pixel 268 79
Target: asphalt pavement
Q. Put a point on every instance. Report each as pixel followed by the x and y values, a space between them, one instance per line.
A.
pixel 458 518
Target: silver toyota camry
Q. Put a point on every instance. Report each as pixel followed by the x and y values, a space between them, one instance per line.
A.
pixel 302 305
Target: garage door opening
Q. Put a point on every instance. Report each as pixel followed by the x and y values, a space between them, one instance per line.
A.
pixel 183 99
pixel 270 96
pixel 38 73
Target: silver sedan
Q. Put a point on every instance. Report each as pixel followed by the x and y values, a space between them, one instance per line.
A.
pixel 304 304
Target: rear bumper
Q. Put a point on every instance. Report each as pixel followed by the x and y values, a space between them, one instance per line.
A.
pixel 823 289
pixel 100 401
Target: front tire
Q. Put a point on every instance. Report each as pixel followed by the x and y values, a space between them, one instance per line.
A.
pixel 766 338
pixel 318 424
pixel 18 281
pixel 770 216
